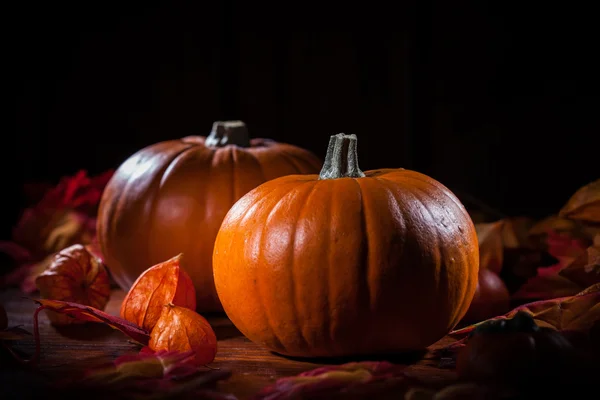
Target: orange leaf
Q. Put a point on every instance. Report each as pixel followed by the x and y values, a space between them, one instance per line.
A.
pixel 491 247
pixel 576 313
pixel 584 204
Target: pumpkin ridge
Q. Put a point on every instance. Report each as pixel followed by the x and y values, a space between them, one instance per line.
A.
pixel 440 277
pixel 462 296
pixel 366 255
pixel 278 341
pixel 122 198
pixel 314 163
pixel 464 259
pixel 293 266
pixel 291 160
pixel 155 200
pixel 241 220
pixel 260 166
pixel 327 239
pixel 208 171
pixel 409 174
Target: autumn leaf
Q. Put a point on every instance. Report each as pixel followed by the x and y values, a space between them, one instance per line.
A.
pixel 573 313
pixel 491 246
pixel 91 314
pixel 351 380
pixel 147 376
pixel 565 247
pixel 64 215
pixel 78 192
pixel 82 313
pixel 585 269
pixel 584 204
pixel 576 269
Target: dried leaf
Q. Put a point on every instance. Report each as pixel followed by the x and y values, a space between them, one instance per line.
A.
pixel 91 314
pixel 142 365
pixel 63 216
pixel 584 204
pixel 76 276
pixel 554 223
pixel 77 192
pixel 352 380
pixel 576 269
pixel 573 313
pixel 45 231
pixel 565 247
pixel 546 287
pixel 148 376
pixel 585 269
pixel 491 247
pixel 515 233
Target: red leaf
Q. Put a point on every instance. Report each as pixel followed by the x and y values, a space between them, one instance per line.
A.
pixel 367 378
pixel 572 313
pixel 16 252
pixel 64 215
pixel 565 247
pixel 91 314
pixel 82 313
pixel 578 268
pixel 77 192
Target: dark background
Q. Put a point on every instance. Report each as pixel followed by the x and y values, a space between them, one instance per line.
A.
pixel 497 101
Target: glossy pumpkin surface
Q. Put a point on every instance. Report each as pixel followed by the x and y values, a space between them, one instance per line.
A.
pixel 346 262
pixel 171 198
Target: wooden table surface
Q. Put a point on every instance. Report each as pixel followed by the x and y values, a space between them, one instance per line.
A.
pixel 76 347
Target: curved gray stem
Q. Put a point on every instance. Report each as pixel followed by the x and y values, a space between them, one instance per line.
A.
pixel 341 160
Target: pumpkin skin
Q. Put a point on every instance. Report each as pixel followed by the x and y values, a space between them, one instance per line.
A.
pixel 171 197
pixel 346 263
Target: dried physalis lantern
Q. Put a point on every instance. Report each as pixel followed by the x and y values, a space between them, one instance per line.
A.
pixel 162 284
pixel 181 329
pixel 77 276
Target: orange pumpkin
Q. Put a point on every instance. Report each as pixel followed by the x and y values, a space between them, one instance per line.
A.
pixel 170 198
pixel 345 262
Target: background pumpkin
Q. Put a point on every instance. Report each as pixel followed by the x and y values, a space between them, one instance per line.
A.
pixel 171 197
pixel 491 298
pixel 346 262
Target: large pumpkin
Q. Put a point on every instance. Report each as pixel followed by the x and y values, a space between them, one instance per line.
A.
pixel 171 198
pixel 346 262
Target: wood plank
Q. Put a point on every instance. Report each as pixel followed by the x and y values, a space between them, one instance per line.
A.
pixel 64 350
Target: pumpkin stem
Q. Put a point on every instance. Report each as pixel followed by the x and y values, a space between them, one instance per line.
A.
pixel 228 132
pixel 341 160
